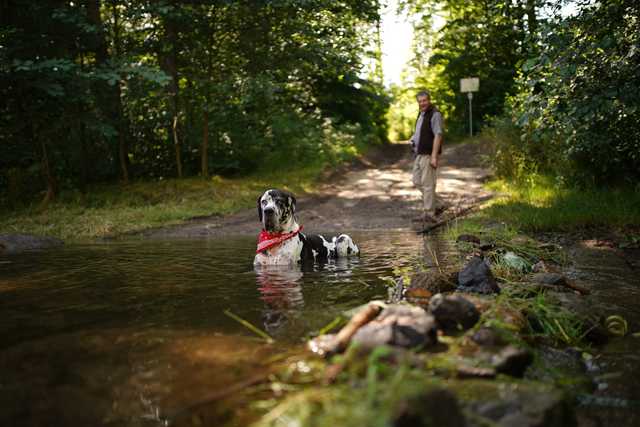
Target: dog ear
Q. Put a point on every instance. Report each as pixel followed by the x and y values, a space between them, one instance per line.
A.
pixel 292 202
pixel 259 209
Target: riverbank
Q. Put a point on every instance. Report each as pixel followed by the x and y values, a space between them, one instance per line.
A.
pixel 112 210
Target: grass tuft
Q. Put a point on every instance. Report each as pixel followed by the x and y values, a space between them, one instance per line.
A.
pixel 539 203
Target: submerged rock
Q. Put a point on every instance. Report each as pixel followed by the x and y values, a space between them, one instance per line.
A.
pixel 399 325
pixel 15 243
pixel 512 361
pixel 435 407
pixel 477 277
pixel 453 313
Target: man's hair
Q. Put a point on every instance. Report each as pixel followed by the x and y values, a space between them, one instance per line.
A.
pixel 423 93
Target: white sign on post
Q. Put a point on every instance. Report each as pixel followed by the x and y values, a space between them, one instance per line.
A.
pixel 468 86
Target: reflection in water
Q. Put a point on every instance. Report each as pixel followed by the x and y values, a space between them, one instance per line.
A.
pixel 280 289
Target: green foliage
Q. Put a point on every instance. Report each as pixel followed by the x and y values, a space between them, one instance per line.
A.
pixel 485 39
pixel 97 91
pixel 578 106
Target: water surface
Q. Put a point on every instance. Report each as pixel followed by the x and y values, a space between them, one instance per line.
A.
pixel 121 333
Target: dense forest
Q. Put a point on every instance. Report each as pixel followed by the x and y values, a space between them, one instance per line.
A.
pixel 110 91
pixel 115 90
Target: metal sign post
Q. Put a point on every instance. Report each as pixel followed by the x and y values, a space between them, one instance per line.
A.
pixel 469 86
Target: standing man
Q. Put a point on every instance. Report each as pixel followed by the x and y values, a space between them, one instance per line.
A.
pixel 426 143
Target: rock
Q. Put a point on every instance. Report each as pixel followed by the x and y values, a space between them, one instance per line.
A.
pixel 453 313
pixel 515 262
pixel 15 243
pixel 476 277
pixel 487 337
pixel 399 325
pixel 468 238
pixel 426 284
pixel 435 407
pixel 512 361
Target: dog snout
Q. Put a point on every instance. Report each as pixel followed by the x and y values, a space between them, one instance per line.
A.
pixel 268 211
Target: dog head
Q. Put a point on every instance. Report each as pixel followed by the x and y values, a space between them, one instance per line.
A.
pixel 276 209
pixel 345 246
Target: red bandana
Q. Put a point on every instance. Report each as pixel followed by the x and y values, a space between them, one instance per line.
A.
pixel 268 240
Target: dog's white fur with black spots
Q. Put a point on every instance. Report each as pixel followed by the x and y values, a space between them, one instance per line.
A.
pixel 276 211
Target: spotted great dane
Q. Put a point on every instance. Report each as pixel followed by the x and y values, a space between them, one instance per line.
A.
pixel 281 241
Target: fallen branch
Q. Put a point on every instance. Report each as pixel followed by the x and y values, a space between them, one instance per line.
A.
pixel 341 340
pixel 444 221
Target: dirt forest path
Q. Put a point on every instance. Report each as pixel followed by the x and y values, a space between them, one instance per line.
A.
pixel 373 193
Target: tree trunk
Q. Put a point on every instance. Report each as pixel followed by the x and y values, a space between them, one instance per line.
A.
pixel 169 65
pixel 109 97
pixel 123 151
pixel 48 175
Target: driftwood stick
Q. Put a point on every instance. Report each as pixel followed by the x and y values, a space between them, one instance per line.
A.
pixel 341 340
pixel 444 221
pixel 360 319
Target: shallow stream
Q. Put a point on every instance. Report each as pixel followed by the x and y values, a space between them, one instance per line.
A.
pixel 121 333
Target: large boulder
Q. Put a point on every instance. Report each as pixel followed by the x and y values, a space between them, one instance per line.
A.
pixel 477 277
pixel 401 326
pixel 15 243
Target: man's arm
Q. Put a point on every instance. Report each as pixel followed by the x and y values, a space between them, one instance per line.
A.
pixel 437 141
pixel 436 127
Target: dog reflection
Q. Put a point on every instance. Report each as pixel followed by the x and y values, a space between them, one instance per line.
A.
pixel 280 289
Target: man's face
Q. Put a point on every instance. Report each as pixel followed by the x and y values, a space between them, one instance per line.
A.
pixel 423 103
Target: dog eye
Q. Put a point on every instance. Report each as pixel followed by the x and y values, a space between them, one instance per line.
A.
pixel 264 203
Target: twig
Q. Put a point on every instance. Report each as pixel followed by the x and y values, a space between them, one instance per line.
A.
pixel 249 326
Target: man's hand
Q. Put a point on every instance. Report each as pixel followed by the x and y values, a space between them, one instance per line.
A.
pixel 433 161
